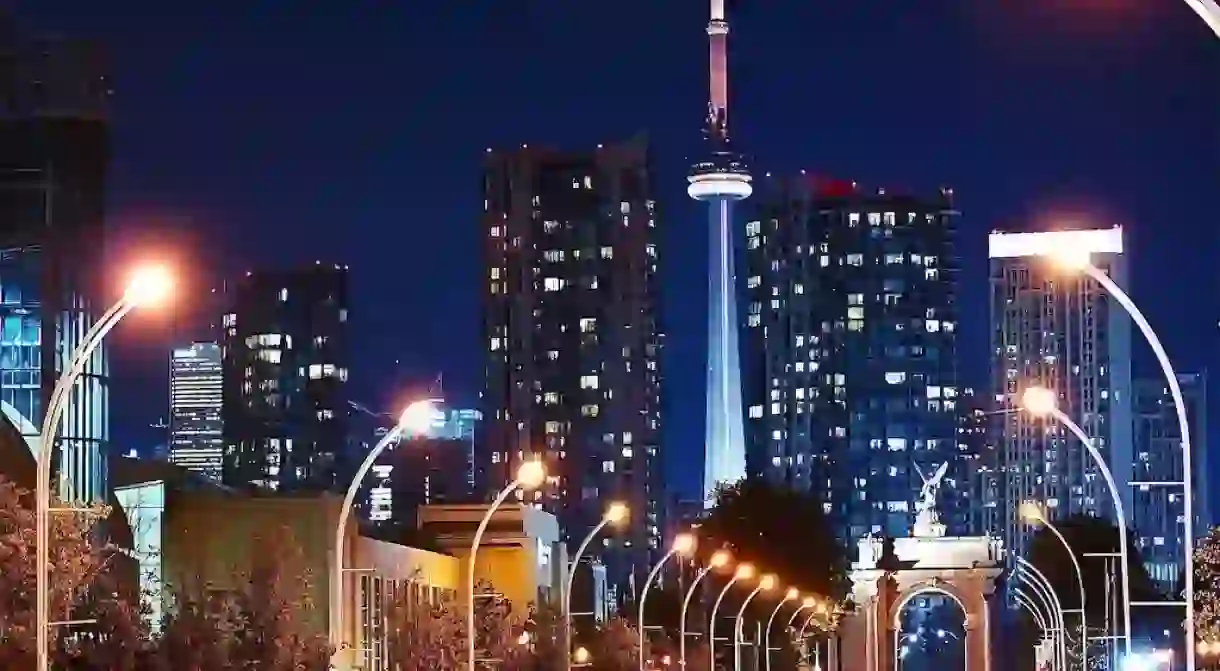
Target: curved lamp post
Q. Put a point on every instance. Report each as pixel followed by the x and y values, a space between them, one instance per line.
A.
pixel 416 419
pixel 530 475
pixel 1039 619
pixel 1210 12
pixel 1042 587
pixel 683 544
pixel 718 559
pixel 743 572
pixel 148 286
pixel 1041 402
pixel 1033 514
pixel 766 583
pixel 791 595
pixel 615 513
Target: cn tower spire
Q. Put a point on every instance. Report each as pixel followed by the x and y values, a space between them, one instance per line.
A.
pixel 718 71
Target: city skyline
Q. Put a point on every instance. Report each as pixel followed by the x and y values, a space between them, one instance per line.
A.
pixel 1060 178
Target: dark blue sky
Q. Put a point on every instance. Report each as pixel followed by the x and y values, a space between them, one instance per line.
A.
pixel 252 133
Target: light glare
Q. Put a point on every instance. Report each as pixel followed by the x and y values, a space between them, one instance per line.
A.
pixel 684 543
pixel 531 474
pixel 1031 512
pixel 744 572
pixel 719 558
pixel 617 512
pixel 416 419
pixel 792 594
pixel 149 285
pixel 1039 401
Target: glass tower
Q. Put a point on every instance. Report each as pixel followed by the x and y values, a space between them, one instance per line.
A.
pixel 195 396
pixel 53 156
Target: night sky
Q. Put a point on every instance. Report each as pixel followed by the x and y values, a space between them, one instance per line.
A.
pixel 257 133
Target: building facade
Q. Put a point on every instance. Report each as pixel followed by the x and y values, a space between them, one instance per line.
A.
pixel 1158 511
pixel 573 342
pixel 851 348
pixel 285 371
pixel 54 150
pixel 1057 329
pixel 196 440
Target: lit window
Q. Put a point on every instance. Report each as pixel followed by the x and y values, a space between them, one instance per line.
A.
pixel 552 284
pixel 627 438
pixel 588 324
pixel 588 182
pixel 607 252
pixel 756 411
pixel 931 326
pixel 588 382
pixel 495 344
pixel 283 295
pixel 496 231
pixel 855 259
pixel 895 378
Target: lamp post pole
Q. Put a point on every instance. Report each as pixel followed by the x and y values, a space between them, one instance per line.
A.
pixel 1210 12
pixel 766 583
pixel 1037 515
pixel 718 559
pixel 414 419
pixel 1042 587
pixel 615 513
pixel 529 475
pixel 790 595
pixel 1041 401
pixel 147 286
pixel 743 572
pixel 683 543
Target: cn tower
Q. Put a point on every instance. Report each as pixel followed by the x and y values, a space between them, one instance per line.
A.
pixel 719 180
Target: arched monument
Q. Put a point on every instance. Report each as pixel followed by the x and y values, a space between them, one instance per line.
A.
pixel 962 568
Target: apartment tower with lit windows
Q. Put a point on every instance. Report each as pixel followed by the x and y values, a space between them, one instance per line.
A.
pixel 573 342
pixel 1057 329
pixel 285 369
pixel 851 378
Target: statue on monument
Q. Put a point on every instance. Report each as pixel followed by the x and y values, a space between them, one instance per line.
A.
pixel 927 521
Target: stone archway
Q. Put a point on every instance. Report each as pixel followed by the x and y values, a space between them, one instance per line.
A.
pixel 964 569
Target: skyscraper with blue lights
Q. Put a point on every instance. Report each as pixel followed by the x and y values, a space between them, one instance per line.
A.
pixel 720 180
pixel 54 147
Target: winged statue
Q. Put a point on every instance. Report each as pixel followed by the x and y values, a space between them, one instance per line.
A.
pixel 931 486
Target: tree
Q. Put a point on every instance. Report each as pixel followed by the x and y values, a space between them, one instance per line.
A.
pixel 86 583
pixel 1207 587
pixel 263 625
pixel 782 531
pixel 426 636
pixel 615 647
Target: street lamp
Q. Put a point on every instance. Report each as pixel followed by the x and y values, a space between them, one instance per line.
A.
pixel 581 657
pixel 615 513
pixel 1041 402
pixel 415 419
pixel 765 584
pixel 718 559
pixel 1080 261
pixel 684 544
pixel 149 285
pixel 743 572
pixel 530 475
pixel 791 595
pixel 1042 588
pixel 1033 514
pixel 1048 635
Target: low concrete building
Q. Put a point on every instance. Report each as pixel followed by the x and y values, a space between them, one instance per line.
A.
pixel 190 534
pixel 520 554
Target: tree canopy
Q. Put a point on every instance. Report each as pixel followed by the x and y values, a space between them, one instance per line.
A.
pixel 780 530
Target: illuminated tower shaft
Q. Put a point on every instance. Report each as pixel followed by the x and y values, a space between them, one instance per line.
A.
pixel 720 180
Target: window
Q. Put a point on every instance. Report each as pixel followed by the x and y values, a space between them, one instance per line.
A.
pixel 855 259
pixel 552 284
pixel 496 232
pixel 588 382
pixel 607 252
pixel 588 325
pixel 895 378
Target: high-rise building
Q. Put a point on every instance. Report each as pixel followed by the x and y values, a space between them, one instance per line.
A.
pixel 196 440
pixel 851 339
pixel 975 444
pixel 721 179
pixel 1058 329
pixel 54 149
pixel 285 379
pixel 570 323
pixel 1157 511
pixel 432 467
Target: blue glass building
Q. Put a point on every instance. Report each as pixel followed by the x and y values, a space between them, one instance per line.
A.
pixel 53 157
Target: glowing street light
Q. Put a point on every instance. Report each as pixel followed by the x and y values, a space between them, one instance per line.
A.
pixel 793 594
pixel 530 475
pixel 1041 402
pixel 766 584
pixel 615 513
pixel 148 286
pixel 581 657
pixel 743 572
pixel 415 419
pixel 718 559
pixel 1033 514
pixel 1080 262
pixel 684 544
